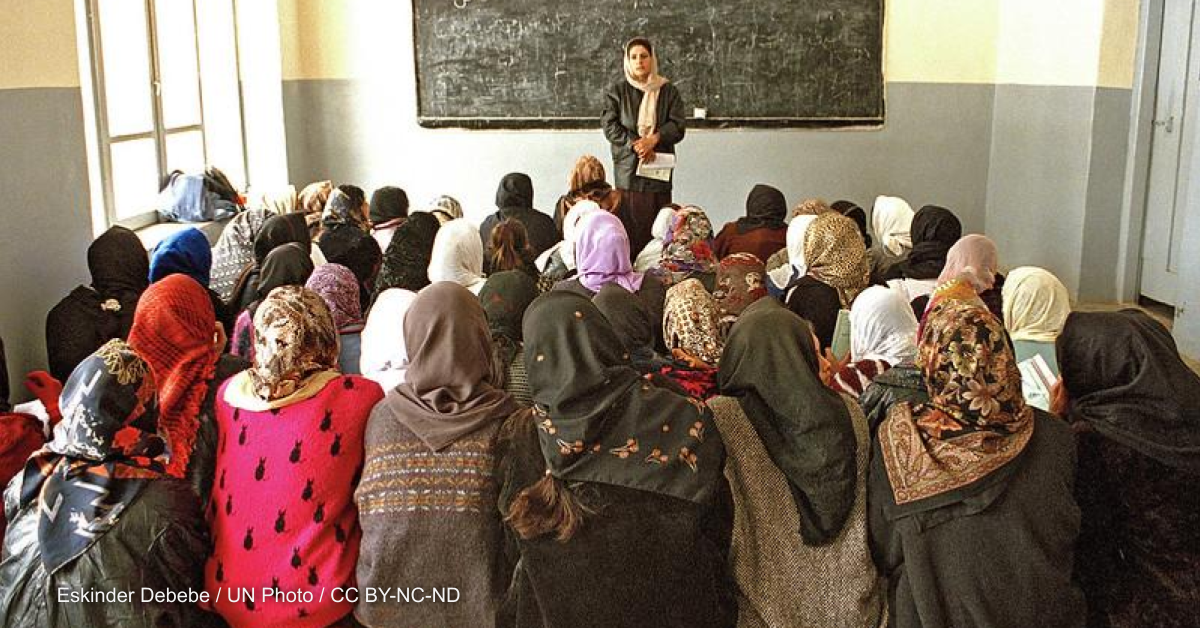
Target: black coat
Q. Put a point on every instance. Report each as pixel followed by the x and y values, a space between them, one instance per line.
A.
pixel 998 552
pixel 899 383
pixel 619 121
pixel 514 198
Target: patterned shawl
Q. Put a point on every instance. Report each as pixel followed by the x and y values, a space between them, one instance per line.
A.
pixel 173 331
pixel 691 321
pixel 99 461
pixel 836 256
pixel 599 421
pixel 740 282
pixel 339 288
pixel 976 420
pixel 687 247
pixel 235 251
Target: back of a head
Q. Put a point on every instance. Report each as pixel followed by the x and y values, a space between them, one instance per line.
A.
pixel 587 170
pixel 509 246
pixel 515 191
pixel 1035 303
pixel 387 204
pixel 973 258
pixel 934 224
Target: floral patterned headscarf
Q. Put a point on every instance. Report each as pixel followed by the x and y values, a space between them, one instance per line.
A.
pixel 294 339
pixel 976 420
pixel 740 282
pixel 687 247
pixel 339 287
pixel 691 321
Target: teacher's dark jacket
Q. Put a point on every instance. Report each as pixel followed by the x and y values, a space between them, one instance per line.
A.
pixel 619 120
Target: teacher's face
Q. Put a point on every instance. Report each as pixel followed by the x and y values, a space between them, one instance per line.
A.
pixel 639 62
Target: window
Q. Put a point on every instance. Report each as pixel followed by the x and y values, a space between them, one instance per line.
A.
pixel 167 96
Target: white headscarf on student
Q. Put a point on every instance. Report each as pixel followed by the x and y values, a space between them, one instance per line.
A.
pixel 1036 304
pixel 651 254
pixel 882 327
pixel 891 220
pixel 795 251
pixel 384 357
pixel 458 255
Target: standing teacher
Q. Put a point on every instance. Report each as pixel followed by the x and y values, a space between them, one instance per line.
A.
pixel 643 115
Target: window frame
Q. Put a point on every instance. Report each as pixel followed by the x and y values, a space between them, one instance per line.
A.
pixel 104 140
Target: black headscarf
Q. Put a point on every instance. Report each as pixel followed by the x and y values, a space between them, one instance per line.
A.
pixel 89 317
pixel 771 366
pixel 765 209
pixel 387 204
pixel 287 265
pixel 104 453
pixel 515 192
pixel 406 262
pixel 355 249
pixel 505 297
pixel 1126 380
pixel 276 231
pixel 934 230
pixel 599 421
pixel 629 317
pixel 857 214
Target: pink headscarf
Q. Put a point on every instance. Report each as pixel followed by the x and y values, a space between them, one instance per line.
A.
pixel 974 257
pixel 602 253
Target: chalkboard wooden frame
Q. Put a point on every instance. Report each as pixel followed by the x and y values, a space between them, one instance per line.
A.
pixel 426 120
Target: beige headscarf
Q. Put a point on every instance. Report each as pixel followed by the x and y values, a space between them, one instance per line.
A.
pixel 648 111
pixel 834 250
pixel 1036 304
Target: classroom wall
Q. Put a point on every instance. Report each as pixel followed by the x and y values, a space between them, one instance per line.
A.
pixel 47 225
pixel 349 104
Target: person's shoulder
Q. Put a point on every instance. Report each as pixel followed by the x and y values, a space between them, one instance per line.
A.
pixel 355 387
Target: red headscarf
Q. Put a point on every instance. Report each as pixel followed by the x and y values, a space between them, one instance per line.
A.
pixel 173 331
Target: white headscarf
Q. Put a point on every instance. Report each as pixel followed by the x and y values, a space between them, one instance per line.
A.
pixel 566 247
pixel 882 327
pixel 651 254
pixel 795 251
pixel 458 255
pixel 648 111
pixel 1036 304
pixel 891 220
pixel 384 357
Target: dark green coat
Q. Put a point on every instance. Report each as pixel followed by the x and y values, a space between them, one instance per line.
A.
pixel 619 121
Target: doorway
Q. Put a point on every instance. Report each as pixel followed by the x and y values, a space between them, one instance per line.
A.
pixel 1170 155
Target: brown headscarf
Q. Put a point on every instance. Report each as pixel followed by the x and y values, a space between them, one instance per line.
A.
pixel 448 391
pixel 976 420
pixel 834 251
pixel 691 321
pixel 312 201
pixel 741 280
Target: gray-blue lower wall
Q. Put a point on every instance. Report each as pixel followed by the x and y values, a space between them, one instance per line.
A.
pixel 47 221
pixel 934 148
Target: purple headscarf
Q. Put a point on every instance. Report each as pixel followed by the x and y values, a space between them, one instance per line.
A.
pixel 602 253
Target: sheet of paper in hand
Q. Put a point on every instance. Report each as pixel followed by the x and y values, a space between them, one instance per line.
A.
pixel 659 168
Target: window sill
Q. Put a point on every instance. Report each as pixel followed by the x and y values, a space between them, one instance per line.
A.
pixel 151 235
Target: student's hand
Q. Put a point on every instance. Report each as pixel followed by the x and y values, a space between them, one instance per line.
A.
pixel 1060 401
pixel 687 358
pixel 219 340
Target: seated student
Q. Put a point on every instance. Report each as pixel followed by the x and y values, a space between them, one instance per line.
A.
pixel 235 249
pixel 602 257
pixel 787 266
pixel 797 466
pixel 852 211
pixel 435 436
pixel 291 446
pixel 175 331
pixel 406 260
pixel 1135 408
pixel 286 265
pixel 934 230
pixel 1036 306
pixel 975 258
pixel 593 491
pixel 509 249
pixel 105 472
pixel 187 252
pixel 651 254
pixel 346 240
pixel 761 232
pixel 444 208
pixel 687 250
pixel 837 271
pixel 970 504
pixel 588 182
pixel 883 334
pixel 20 434
pixel 505 297
pixel 389 210
pixel 311 204
pixel 741 280
pixel 692 332
pixel 514 199
pixel 338 287
pixel 92 315
pixel 558 262
pixel 276 231
pixel 634 324
pixel 891 222
pixel 384 359
pixel 457 255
